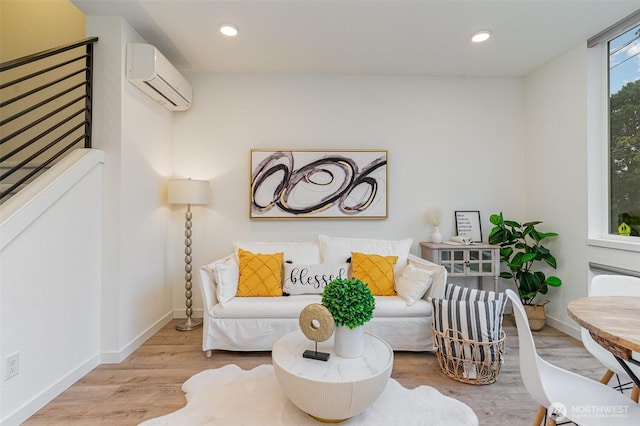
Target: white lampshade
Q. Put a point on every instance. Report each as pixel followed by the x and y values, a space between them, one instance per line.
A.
pixel 187 191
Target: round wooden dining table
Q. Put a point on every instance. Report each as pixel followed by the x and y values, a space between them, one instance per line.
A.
pixel 614 323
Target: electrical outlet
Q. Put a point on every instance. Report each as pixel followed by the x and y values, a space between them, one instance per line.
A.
pixel 13 365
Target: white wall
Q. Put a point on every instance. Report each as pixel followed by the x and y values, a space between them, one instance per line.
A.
pixel 454 144
pixel 50 284
pixel 136 135
pixel 558 167
pixel 556 170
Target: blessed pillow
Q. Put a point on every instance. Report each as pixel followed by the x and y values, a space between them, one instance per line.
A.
pixel 375 271
pixel 474 320
pixel 413 283
pixel 260 274
pixel 226 274
pixel 311 279
pixel 338 250
pixel 296 252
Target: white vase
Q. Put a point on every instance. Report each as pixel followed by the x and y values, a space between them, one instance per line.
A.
pixel 436 236
pixel 349 342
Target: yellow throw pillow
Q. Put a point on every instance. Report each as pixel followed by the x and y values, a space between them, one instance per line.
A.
pixel 375 271
pixel 260 274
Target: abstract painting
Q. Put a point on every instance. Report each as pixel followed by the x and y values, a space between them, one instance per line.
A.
pixel 318 184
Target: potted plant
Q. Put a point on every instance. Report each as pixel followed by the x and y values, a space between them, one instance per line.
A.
pixel 521 250
pixel 351 303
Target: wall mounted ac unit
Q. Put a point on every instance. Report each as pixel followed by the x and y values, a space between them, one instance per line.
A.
pixel 152 73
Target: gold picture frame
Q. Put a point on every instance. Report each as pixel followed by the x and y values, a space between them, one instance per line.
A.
pixel 318 184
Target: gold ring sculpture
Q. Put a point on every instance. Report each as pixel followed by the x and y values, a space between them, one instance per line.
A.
pixel 316 322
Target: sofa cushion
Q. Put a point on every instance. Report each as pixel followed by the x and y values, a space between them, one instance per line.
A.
pixel 375 271
pixel 291 306
pixel 396 306
pixel 295 252
pixel 311 279
pixel 260 274
pixel 338 250
pixel 226 273
pixel 265 307
pixel 413 283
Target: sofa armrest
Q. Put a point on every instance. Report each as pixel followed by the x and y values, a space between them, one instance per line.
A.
pixel 209 287
pixel 439 276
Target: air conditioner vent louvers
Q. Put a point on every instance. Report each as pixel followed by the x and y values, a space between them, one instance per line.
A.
pixel 152 87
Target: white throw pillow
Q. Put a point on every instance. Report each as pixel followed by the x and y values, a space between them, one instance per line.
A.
pixel 311 279
pixel 413 283
pixel 296 252
pixel 227 273
pixel 338 250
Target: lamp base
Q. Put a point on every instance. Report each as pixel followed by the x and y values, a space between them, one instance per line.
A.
pixel 188 324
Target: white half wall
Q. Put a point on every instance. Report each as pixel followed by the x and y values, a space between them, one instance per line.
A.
pixel 454 144
pixel 50 258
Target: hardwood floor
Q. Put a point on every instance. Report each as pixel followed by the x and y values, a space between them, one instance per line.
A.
pixel 148 383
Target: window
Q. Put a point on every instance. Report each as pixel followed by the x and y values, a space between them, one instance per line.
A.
pixel 624 132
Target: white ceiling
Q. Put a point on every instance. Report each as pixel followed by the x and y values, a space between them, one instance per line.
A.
pixel 425 37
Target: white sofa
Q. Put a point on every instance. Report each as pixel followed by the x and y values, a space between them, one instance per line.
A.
pixel 256 323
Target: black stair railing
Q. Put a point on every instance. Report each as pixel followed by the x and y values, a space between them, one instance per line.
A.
pixel 45 111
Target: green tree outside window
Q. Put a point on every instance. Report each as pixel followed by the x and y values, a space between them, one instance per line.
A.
pixel 624 134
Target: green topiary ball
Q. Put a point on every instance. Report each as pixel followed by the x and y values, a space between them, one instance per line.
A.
pixel 350 302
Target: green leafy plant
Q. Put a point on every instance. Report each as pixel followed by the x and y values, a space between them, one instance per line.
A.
pixel 350 302
pixel 520 250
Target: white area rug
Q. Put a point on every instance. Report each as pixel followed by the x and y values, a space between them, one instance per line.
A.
pixel 231 396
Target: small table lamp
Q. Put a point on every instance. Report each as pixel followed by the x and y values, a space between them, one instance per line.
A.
pixel 187 191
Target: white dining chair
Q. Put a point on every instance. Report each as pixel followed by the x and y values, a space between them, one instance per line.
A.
pixel 612 285
pixel 572 396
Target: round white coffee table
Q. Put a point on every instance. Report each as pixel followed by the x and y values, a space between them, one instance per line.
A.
pixel 335 390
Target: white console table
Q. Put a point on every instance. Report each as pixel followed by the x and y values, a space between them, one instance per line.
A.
pixel 473 260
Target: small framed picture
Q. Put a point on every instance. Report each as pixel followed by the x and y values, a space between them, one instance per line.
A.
pixel 468 225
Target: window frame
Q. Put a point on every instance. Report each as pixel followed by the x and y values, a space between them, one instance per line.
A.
pixel 599 139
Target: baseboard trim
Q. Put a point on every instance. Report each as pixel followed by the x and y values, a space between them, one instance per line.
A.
pixel 43 398
pixel 564 327
pixel 121 355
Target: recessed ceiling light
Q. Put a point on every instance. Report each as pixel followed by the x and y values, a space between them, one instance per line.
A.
pixel 229 30
pixel 480 36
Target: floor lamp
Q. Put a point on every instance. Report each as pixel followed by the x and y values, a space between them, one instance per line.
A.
pixel 187 191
